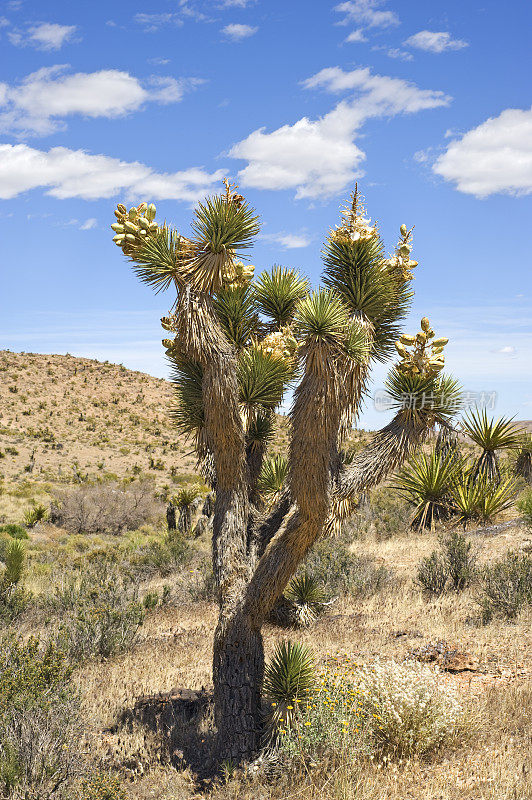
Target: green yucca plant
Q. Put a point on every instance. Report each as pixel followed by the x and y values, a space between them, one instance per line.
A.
pixel 288 679
pixel 277 293
pixel 491 436
pixel 238 346
pixel 14 559
pixel 425 483
pixel 34 515
pixel 523 458
pixel 477 498
pixel 273 477
pixel 308 598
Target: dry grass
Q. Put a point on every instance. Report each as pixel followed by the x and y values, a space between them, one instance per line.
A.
pixel 493 761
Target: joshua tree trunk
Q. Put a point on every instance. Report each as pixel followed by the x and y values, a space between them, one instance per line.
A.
pixel 238 669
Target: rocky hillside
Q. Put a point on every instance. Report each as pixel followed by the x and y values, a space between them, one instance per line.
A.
pixel 64 418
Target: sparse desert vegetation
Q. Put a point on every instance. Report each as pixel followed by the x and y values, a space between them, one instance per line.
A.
pixel 390 655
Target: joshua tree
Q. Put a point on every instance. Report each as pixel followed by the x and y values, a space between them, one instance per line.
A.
pixel 236 347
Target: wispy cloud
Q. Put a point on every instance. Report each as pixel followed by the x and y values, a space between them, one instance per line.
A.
pixel 153 22
pixel 89 224
pixel 320 157
pixel 496 156
pixel 289 241
pixel 435 41
pixel 356 36
pixel 367 13
pixel 44 36
pixel 66 173
pixel 236 31
pixel 40 104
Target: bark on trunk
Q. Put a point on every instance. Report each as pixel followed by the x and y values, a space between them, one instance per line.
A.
pixel 238 670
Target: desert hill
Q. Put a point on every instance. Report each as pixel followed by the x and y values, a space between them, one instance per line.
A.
pixel 64 418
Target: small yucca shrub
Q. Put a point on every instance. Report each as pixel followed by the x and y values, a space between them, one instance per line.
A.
pixel 288 678
pixel 406 707
pixel 308 598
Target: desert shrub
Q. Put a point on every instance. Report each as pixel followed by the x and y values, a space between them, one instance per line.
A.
pixel 385 514
pixel 101 613
pixel 165 555
pixel 103 787
pixel 39 732
pixel 34 515
pixel 390 708
pixel 506 587
pixel 455 564
pixel 106 508
pixel 459 558
pixel 15 531
pixel 344 573
pixel 432 574
pixel 524 506
pixel 326 723
pixel 406 707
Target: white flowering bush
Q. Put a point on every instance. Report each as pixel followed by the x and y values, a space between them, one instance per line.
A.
pixel 406 706
pixel 395 709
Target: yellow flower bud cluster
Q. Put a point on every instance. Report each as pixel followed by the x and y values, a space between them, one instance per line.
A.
pixel 132 227
pixel 401 260
pixel 239 275
pixel 280 344
pixel 426 356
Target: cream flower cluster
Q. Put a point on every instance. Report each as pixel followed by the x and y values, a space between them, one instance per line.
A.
pixel 280 344
pixel 239 275
pixel 355 226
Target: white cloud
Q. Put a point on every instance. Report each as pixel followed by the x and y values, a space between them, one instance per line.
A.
pixel 66 173
pixel 494 157
pixel 237 3
pixel 89 224
pixel 290 241
pixel 236 32
pixel 152 22
pixel 50 36
pixel 4 23
pixel 320 157
pixel 44 36
pixel 435 41
pixel 40 103
pixel 507 350
pixel 356 36
pixel 366 12
pixel 402 55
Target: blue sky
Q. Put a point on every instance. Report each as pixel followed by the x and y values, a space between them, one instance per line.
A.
pixel 427 105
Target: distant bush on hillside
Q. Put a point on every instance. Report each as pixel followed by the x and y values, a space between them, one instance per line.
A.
pixel 107 508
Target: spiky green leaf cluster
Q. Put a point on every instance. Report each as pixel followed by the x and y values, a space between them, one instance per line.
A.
pixel 234 308
pixel 425 482
pixel 155 261
pixel 262 379
pixel 222 226
pixel 357 271
pixel 276 293
pixel 273 476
